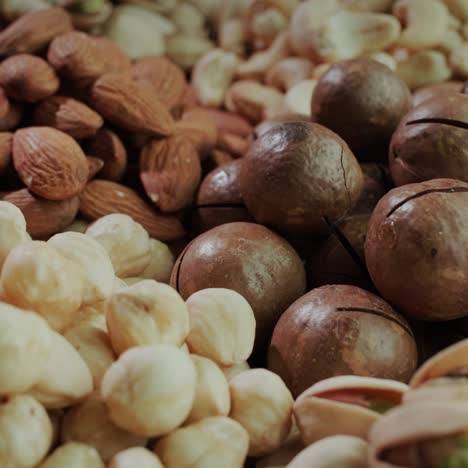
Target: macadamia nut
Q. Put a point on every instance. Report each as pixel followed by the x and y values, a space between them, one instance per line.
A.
pixel 217 441
pixel 73 455
pixel 135 457
pixel 262 404
pixel 146 313
pixel 165 378
pixel 36 276
pixel 222 326
pixel 161 262
pixel 126 242
pixel 92 259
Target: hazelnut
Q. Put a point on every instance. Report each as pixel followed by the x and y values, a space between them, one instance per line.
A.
pixel 216 441
pixel 211 393
pixel 166 380
pixel 89 423
pixel 36 276
pixel 262 404
pixel 126 242
pixel 147 312
pixel 93 261
pixel 73 455
pixel 25 432
pixel 161 262
pixel 222 326
pixel 236 369
pixel 135 457
pixel 25 345
pixel 92 315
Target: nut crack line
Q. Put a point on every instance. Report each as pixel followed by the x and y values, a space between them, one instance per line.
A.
pixel 441 120
pixel 180 265
pixel 344 174
pixel 425 192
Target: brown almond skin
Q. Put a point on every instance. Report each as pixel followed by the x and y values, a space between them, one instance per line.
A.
pixel 362 101
pixel 44 217
pixel 435 148
pixel 6 145
pixel 28 78
pixel 94 166
pixel 251 260
pixel 106 145
pixel 10 113
pixel 131 106
pixel 49 162
pixel 416 249
pixel 69 116
pixel 33 31
pixel 102 197
pixel 314 339
pixel 298 173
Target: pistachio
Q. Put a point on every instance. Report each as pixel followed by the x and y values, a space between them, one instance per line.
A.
pixel 186 50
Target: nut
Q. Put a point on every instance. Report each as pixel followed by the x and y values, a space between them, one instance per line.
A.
pixel 263 27
pixel 49 162
pixel 188 19
pixel 33 31
pixel 161 262
pixel 284 455
pixel 299 97
pixel 28 78
pixel 262 404
pixel 69 116
pixel 212 75
pixel 36 276
pixel 126 242
pixel 10 113
pixel 222 326
pixel 6 143
pixel 135 456
pixel 216 441
pixel 229 122
pixel 236 369
pixel 44 217
pixel 102 197
pixel 131 106
pixel 231 36
pixel 458 60
pixel 384 59
pixel 89 423
pixel 165 377
pixel 146 313
pixel 25 430
pixel 25 345
pixel 288 72
pixel 73 455
pixel 212 392
pixel 66 378
pixel 170 171
pixel 94 166
pixel 185 50
pixel 459 8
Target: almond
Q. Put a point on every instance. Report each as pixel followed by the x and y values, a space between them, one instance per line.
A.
pixel 165 78
pixel 33 31
pixel 49 162
pixel 220 157
pixel 170 172
pixel 6 143
pixel 232 143
pixel 102 197
pixel 44 217
pixel 69 116
pixel 131 106
pixel 79 56
pixel 230 122
pixel 28 78
pixel 108 147
pixel 10 113
pixel 94 166
pixel 189 101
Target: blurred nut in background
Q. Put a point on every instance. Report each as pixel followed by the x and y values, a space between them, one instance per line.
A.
pixel 73 455
pixel 135 456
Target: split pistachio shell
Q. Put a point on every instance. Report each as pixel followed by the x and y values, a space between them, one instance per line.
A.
pixel 347 405
pixel 73 455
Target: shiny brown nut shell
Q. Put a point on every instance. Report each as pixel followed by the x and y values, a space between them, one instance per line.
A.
pixel 428 92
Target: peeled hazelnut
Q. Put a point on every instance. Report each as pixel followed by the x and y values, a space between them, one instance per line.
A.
pixel 73 455
pixel 288 72
pixel 222 326
pixel 126 242
pixel 25 432
pixel 216 441
pixel 236 369
pixel 25 345
pixel 384 58
pixel 36 276
pixel 135 457
pixel 92 259
pixel 262 404
pixel 299 97
pixel 186 50
pixel 212 391
pixel 166 379
pixel 92 315
pixel 13 229
pixel 188 19
pixel 66 378
pixel 161 262
pixel 89 423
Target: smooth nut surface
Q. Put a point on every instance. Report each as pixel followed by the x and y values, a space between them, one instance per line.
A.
pixel 161 262
pixel 135 457
pixel 73 455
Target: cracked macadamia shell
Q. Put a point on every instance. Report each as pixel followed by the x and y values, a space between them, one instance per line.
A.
pixel 416 249
pixel 341 330
pixel 296 174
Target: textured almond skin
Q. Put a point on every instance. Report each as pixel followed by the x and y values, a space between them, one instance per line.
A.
pixel 44 217
pixel 94 166
pixel 6 144
pixel 170 172
pixel 49 162
pixel 10 113
pixel 34 30
pixel 69 116
pixel 230 122
pixel 131 106
pixel 165 78
pixel 106 145
pixel 102 197
pixel 79 56
pixel 28 78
